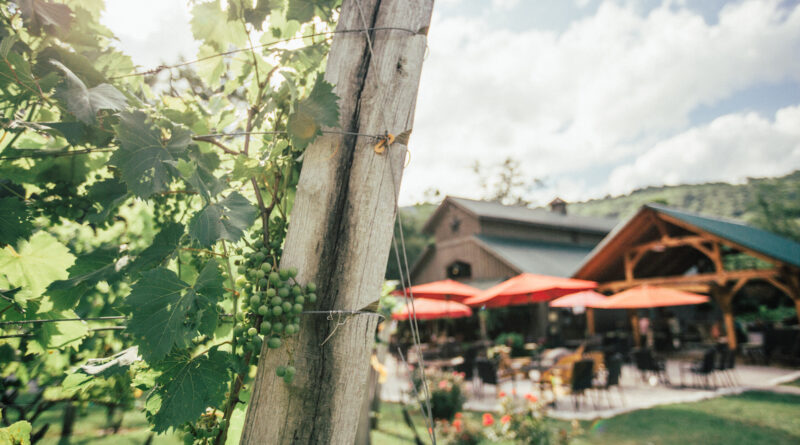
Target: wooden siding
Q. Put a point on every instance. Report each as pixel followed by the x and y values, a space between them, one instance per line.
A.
pixel 484 265
pixel 468 226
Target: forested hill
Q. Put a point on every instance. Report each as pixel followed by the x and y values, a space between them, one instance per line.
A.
pixel 742 201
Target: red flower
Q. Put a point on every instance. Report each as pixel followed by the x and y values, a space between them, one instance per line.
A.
pixel 505 419
pixel 457 425
pixel 501 394
pixel 531 398
pixel 443 384
pixel 459 415
pixel 488 419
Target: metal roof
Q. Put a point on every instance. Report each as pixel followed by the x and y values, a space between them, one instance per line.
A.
pixel 559 260
pixel 522 214
pixel 758 240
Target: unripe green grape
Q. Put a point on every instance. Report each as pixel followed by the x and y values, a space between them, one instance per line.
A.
pixel 276 301
pixel 271 292
pixel 266 327
pixel 290 370
pixel 289 329
pixel 292 272
pixel 287 307
pixel 311 287
pixel 260 274
pixel 297 308
pixel 259 243
pixel 252 332
pixel 312 298
pixel 280 371
pixel 263 310
pixel 288 379
pixel 274 342
pixel 259 256
pixel 300 299
pixel 262 282
pixel 274 278
pixel 255 301
pixel 284 274
pixel 266 267
pixel 238 330
pixel 241 270
pixel 296 290
pixel 277 311
pixel 277 327
pixel 283 292
pixel 241 281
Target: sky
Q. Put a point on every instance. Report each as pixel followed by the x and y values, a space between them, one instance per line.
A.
pixel 592 97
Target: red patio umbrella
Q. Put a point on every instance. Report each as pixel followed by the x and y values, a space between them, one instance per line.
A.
pixel 642 297
pixel 587 298
pixel 429 309
pixel 440 290
pixel 528 288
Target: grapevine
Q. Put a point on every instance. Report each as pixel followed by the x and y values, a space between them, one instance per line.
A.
pixel 120 195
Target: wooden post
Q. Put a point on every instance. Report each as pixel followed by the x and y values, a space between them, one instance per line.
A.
pixel 341 229
pixel 637 336
pixel 589 321
pixel 724 296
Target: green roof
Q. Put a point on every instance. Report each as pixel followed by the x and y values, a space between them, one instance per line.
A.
pixel 559 260
pixel 758 240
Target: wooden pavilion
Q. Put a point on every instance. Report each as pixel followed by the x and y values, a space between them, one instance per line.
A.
pixel 663 246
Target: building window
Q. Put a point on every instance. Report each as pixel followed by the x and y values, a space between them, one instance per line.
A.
pixel 455 224
pixel 459 270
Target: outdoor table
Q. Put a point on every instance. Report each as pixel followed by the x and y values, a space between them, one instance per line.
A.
pixel 445 363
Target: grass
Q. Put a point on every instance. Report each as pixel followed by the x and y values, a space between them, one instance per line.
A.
pixel 795 383
pixel 752 418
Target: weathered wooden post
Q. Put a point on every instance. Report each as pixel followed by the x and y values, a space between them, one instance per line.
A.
pixel 341 228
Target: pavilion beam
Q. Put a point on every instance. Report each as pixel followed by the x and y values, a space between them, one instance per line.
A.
pixel 792 278
pixel 726 276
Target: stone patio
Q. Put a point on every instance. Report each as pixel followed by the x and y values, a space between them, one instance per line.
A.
pixel 636 393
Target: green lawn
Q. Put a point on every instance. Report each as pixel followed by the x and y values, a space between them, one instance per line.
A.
pixel 750 418
pixel 795 382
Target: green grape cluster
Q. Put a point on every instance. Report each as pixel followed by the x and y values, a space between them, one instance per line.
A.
pixel 205 429
pixel 166 208
pixel 273 302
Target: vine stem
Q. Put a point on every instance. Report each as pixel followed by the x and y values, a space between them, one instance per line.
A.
pixel 219 144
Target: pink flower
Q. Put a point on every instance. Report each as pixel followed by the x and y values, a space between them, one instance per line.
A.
pixel 501 394
pixel 531 398
pixel 459 415
pixel 457 425
pixel 505 419
pixel 488 419
pixel 443 384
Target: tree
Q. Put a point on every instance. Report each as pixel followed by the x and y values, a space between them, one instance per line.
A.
pixel 505 182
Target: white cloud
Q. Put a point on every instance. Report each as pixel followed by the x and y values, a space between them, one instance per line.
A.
pixel 731 148
pixel 595 96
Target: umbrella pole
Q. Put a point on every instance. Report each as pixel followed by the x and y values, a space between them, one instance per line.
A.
pixel 634 317
pixel 590 321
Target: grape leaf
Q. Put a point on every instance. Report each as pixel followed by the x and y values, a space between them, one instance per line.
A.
pixel 304 10
pixel 164 245
pixel 53 17
pixel 88 270
pixel 187 386
pixel 167 312
pixel 83 102
pixel 61 335
pixel 18 433
pixel 106 195
pixel 35 264
pixel 143 157
pixel 256 16
pixel 226 219
pixel 210 24
pixel 15 221
pixel 118 363
pixel 319 109
pixel 198 172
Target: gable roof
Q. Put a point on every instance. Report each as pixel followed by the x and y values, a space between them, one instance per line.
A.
pixel 605 262
pixel 758 240
pixel 488 210
pixel 559 260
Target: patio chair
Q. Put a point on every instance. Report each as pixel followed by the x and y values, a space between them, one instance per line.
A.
pixel 614 373
pixel 582 377
pixel 487 374
pixel 726 365
pixel 649 365
pixel 705 367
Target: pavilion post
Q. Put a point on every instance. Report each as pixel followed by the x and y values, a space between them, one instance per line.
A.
pixel 633 315
pixel 724 297
pixel 590 321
